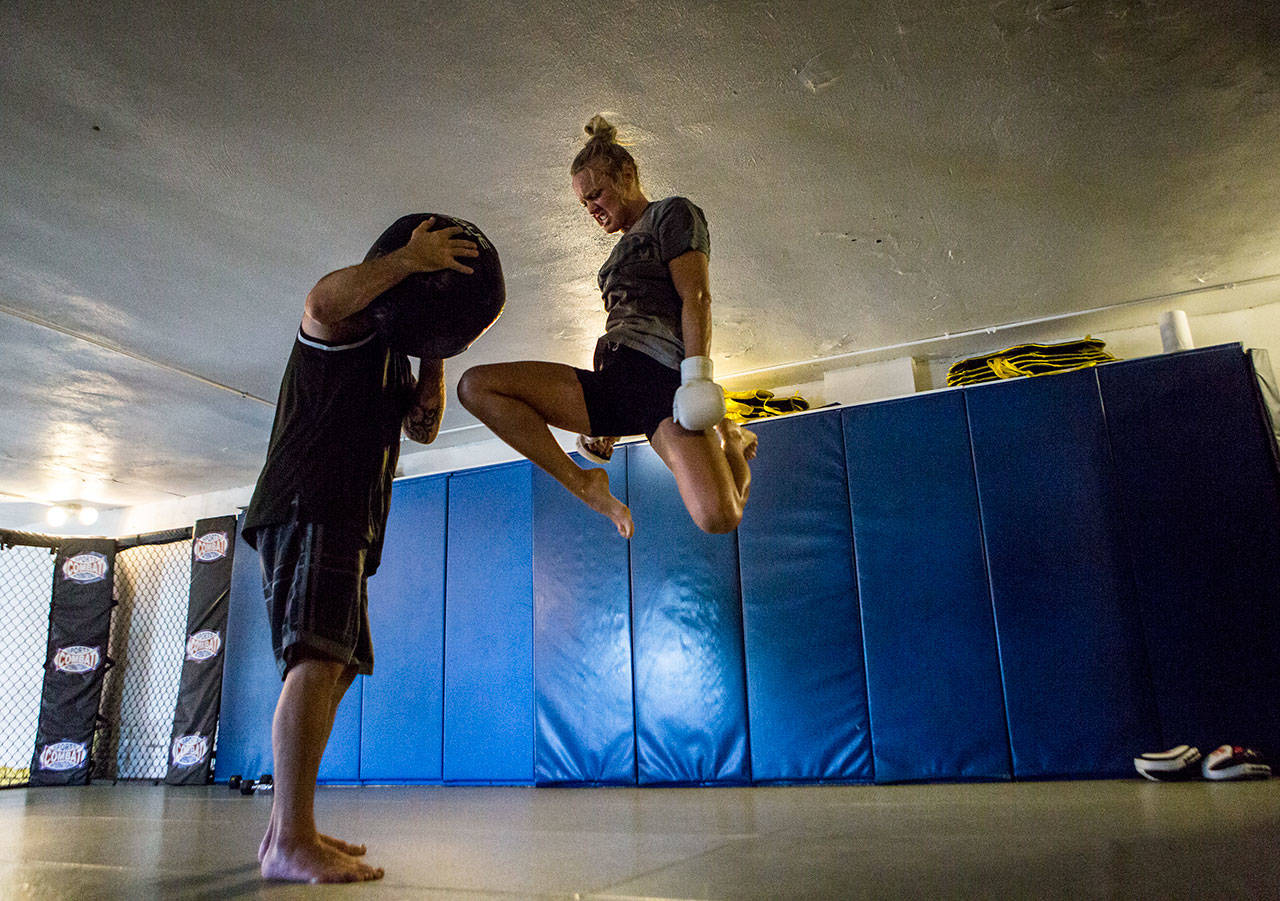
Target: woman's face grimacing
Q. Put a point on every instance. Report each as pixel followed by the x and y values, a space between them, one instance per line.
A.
pixel 604 199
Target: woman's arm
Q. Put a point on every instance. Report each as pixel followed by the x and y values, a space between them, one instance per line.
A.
pixel 699 403
pixel 692 280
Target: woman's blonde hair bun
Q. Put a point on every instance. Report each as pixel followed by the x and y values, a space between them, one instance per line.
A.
pixel 601 129
pixel 603 151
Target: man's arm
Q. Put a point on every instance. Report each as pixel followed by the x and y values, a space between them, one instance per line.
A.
pixel 343 293
pixel 422 422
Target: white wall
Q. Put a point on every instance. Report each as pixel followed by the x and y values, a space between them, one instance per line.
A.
pixel 1255 327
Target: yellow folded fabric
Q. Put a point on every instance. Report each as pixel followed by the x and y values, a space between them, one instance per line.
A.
pixel 759 403
pixel 1029 360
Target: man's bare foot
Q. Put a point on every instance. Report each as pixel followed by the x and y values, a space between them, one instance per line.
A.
pixel 345 847
pixel 314 862
pixel 329 841
pixel 731 433
pixel 595 494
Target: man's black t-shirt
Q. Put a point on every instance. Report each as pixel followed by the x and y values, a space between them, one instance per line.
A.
pixel 336 439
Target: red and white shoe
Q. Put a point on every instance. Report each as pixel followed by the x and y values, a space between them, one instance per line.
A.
pixel 597 450
pixel 1234 762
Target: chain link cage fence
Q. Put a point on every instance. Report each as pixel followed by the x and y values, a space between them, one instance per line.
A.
pixel 148 629
pixel 26 590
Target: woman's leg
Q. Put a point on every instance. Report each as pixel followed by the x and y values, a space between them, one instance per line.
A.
pixel 518 401
pixel 711 471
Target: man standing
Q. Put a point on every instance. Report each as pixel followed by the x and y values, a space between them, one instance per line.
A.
pixel 317 519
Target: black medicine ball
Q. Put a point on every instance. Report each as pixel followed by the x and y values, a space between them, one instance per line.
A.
pixel 438 314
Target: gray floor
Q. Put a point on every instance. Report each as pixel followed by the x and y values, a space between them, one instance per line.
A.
pixel 1120 839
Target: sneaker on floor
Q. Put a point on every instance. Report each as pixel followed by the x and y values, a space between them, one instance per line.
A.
pixel 1173 765
pixel 1234 762
pixel 597 450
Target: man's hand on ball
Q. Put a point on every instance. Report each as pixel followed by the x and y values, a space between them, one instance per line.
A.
pixel 440 249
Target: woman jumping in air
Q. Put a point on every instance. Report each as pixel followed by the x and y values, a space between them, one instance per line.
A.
pixel 652 366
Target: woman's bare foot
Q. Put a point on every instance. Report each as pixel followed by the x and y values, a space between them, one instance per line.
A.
pixel 328 841
pixel 732 433
pixel 314 862
pixel 594 492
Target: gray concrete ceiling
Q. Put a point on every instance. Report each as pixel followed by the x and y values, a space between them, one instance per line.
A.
pixel 175 176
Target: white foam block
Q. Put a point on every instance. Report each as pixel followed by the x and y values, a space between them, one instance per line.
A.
pixel 871 381
pixel 1175 331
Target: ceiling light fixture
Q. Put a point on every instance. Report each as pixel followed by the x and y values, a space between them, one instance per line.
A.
pixel 59 514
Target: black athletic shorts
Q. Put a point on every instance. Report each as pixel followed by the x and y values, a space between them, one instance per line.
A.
pixel 315 587
pixel 630 392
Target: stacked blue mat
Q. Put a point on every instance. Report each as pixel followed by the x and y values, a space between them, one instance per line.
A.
pixel 1030 579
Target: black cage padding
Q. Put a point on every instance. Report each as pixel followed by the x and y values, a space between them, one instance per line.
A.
pixel 79 625
pixel 195 716
pixel 10 538
pixel 168 536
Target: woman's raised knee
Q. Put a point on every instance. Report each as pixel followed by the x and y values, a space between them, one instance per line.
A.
pixel 471 387
pixel 717 519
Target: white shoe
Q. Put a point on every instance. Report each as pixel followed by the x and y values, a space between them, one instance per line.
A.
pixel 597 450
pixel 1172 765
pixel 1229 762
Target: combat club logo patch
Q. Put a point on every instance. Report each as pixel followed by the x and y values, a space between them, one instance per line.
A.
pixel 65 755
pixel 203 645
pixel 85 568
pixel 77 659
pixel 188 750
pixel 210 546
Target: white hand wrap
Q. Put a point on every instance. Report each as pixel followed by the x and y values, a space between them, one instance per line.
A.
pixel 699 402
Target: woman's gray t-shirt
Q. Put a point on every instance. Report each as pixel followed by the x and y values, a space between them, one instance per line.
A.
pixel 641 299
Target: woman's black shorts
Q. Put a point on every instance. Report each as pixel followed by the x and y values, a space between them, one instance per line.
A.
pixel 629 393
